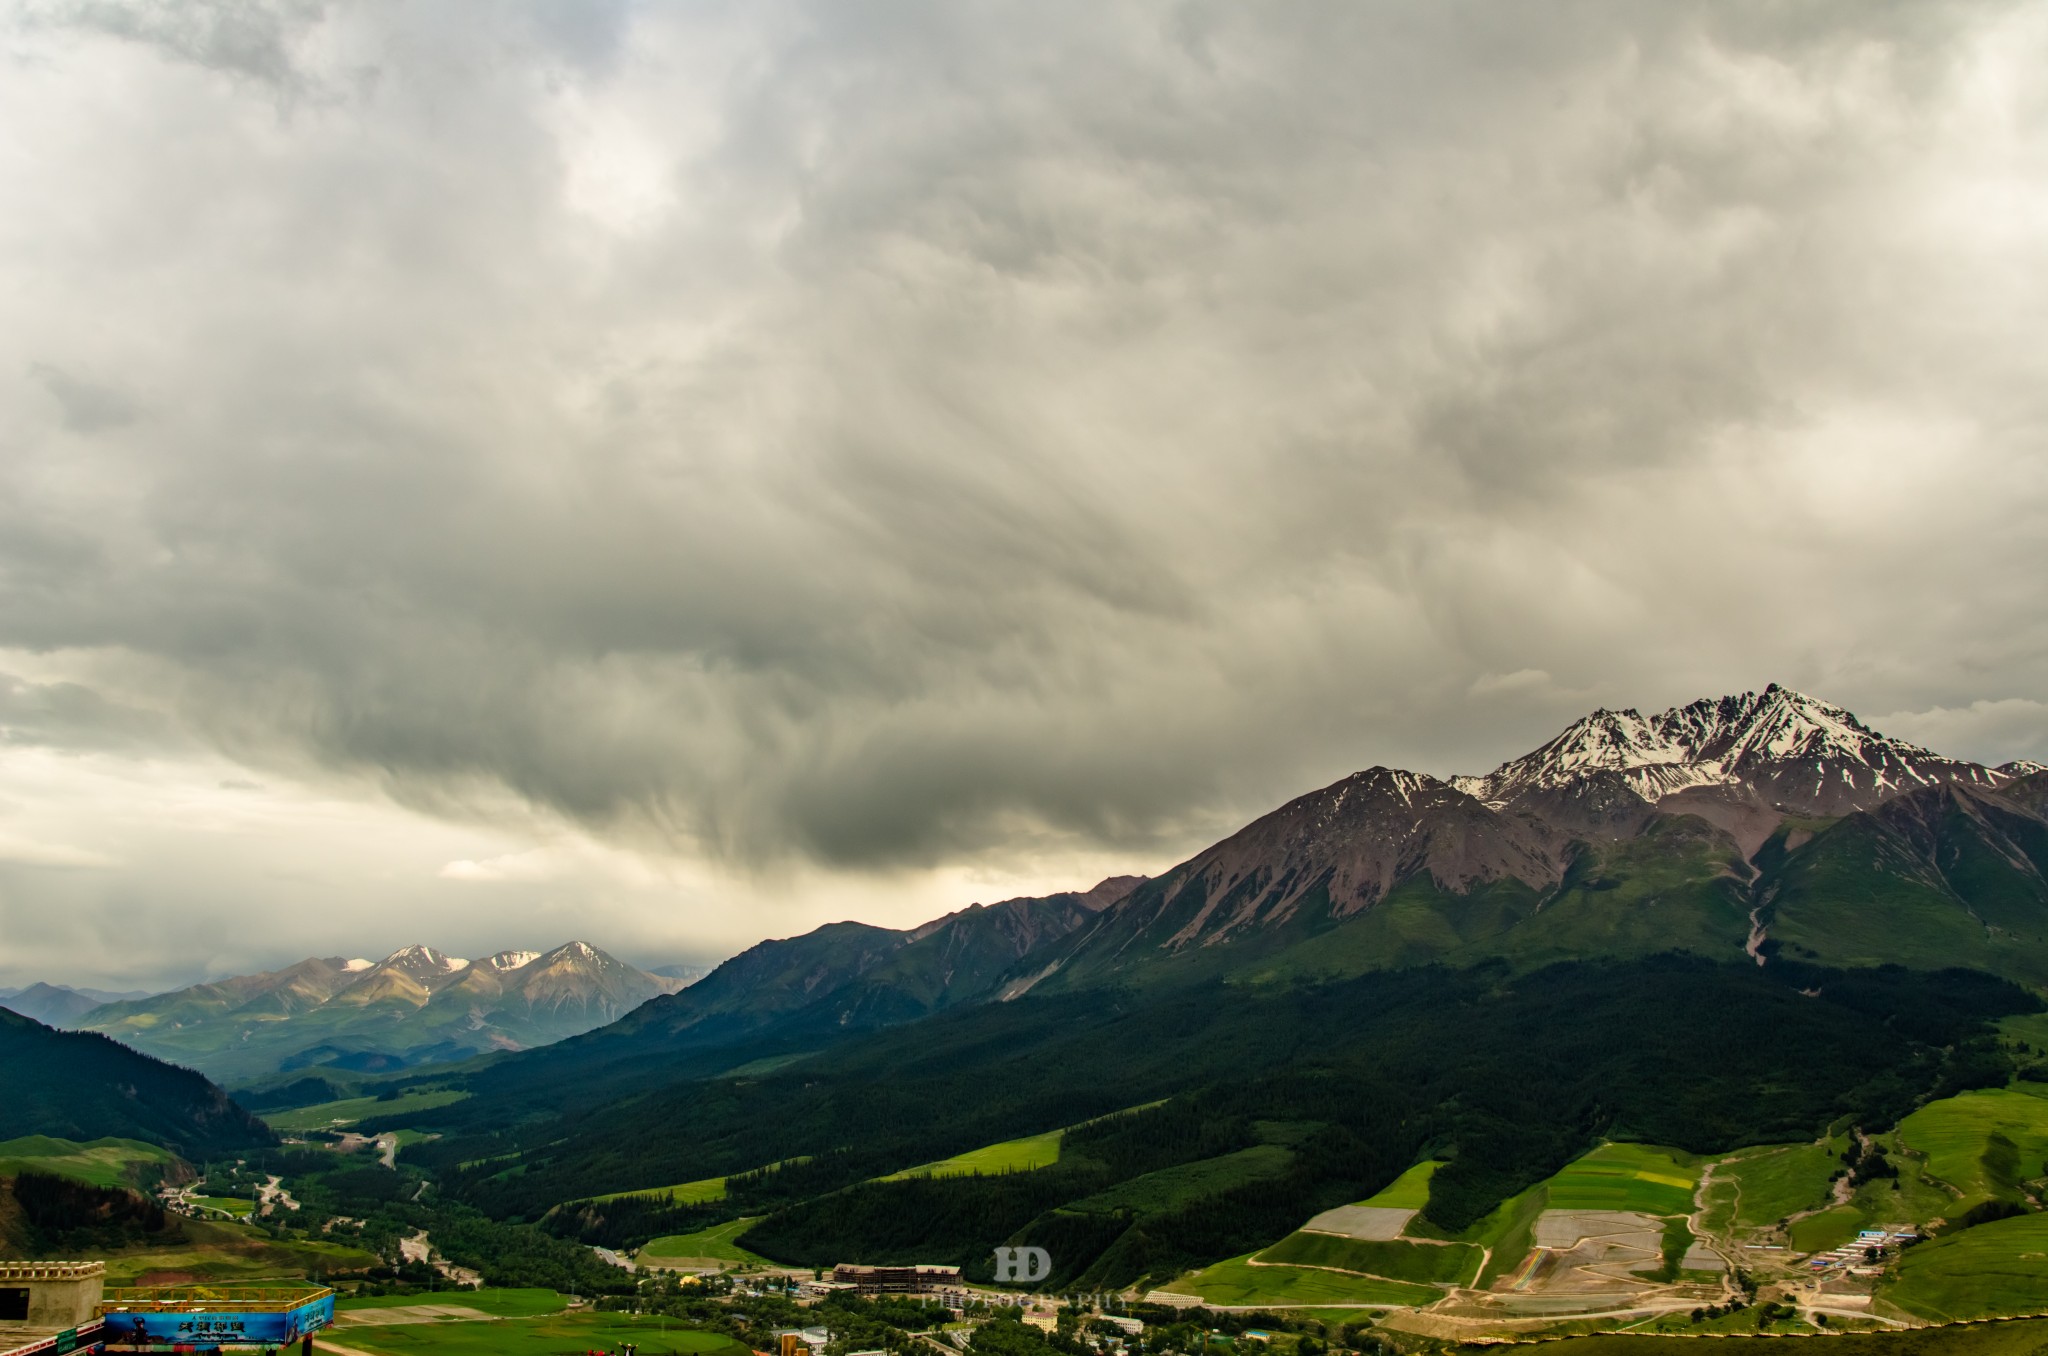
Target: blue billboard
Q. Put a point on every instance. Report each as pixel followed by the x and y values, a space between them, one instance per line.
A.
pixel 220 1325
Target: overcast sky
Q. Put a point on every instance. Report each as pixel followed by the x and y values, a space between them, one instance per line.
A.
pixel 669 475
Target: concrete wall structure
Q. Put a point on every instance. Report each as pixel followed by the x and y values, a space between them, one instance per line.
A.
pixel 59 1294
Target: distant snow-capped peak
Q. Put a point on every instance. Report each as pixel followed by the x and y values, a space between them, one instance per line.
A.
pixel 358 964
pixel 512 960
pixel 419 957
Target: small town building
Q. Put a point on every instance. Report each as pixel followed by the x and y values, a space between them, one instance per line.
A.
pixel 51 1308
pixel 909 1280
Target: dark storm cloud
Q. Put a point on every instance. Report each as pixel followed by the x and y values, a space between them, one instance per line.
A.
pixel 884 434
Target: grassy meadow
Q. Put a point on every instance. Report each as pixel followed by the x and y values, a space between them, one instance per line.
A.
pixel 101 1162
pixel 2021 1338
pixel 1425 1263
pixel 1995 1268
pixel 333 1115
pixel 218 1250
pixel 700 1192
pixel 499 1303
pixel 1012 1155
pixel 1982 1143
pixel 1240 1281
pixel 1409 1191
pixel 546 1335
pixel 713 1245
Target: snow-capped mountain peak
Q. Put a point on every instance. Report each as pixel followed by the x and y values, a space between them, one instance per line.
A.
pixel 1773 739
pixel 357 965
pixel 419 958
pixel 511 960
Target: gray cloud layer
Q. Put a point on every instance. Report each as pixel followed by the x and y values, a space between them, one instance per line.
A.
pixel 889 434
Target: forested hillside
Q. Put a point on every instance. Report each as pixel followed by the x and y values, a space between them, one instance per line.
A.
pixel 76 1085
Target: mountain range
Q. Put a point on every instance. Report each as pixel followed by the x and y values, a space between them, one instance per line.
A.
pixel 417 1006
pixel 1725 828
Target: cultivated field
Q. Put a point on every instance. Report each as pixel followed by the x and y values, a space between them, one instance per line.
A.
pixel 1635 1177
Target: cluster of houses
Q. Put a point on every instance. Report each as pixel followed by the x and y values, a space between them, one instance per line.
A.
pixel 1854 1258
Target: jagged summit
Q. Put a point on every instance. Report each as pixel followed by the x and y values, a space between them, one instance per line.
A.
pixel 1784 744
pixel 419 960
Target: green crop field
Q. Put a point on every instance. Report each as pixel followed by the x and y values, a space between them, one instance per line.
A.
pixel 1239 1282
pixel 1981 1339
pixel 1643 1177
pixel 1770 1184
pixel 1981 1143
pixel 552 1335
pixel 500 1303
pixel 328 1115
pixel 102 1162
pixel 1171 1188
pixel 1996 1268
pixel 706 1245
pixel 1440 1263
pixel 1409 1191
pixel 1012 1155
pixel 238 1206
